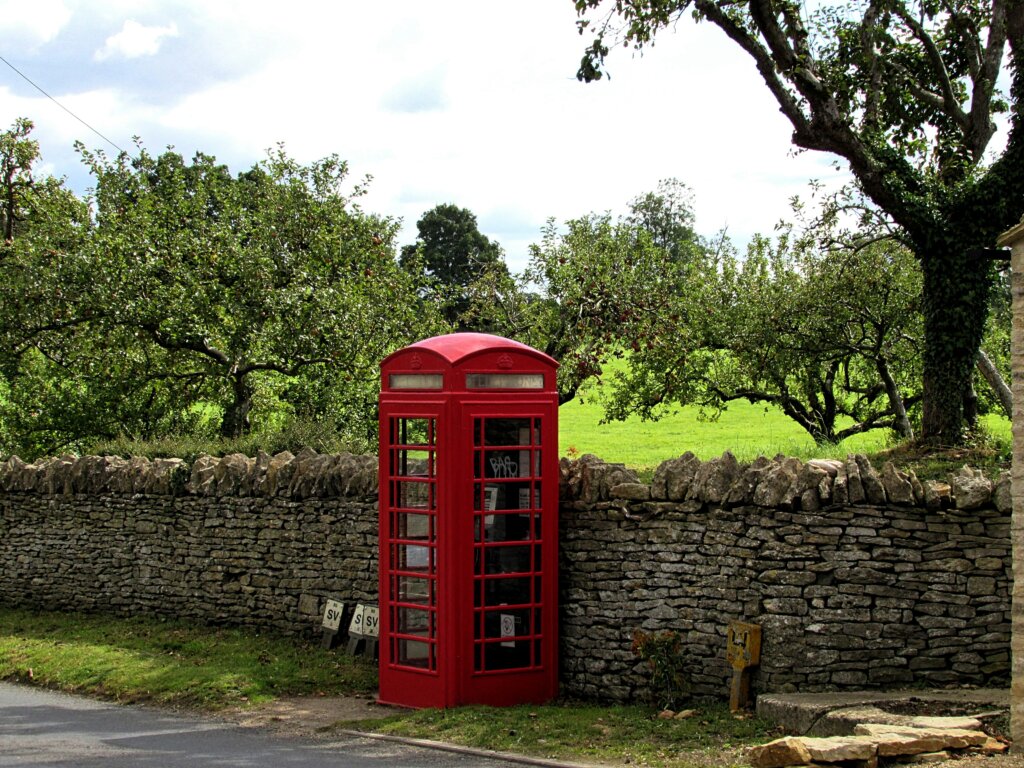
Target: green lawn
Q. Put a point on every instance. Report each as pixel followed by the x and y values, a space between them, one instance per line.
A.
pixel 746 430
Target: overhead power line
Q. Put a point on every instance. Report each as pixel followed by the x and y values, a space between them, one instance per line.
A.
pixel 38 88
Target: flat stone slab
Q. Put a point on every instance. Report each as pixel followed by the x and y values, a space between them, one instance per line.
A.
pixel 905 740
pixel 871 742
pixel 824 714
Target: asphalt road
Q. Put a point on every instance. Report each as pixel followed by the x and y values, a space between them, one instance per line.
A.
pixel 43 728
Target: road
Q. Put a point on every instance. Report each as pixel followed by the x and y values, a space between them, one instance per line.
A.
pixel 43 728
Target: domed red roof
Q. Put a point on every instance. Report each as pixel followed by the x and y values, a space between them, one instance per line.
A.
pixel 454 347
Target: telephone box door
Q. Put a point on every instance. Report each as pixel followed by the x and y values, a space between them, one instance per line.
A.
pixel 509 646
pixel 410 583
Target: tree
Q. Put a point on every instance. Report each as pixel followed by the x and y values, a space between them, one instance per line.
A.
pixel 905 93
pixel 453 253
pixel 235 281
pixel 667 216
pixel 41 281
pixel 177 289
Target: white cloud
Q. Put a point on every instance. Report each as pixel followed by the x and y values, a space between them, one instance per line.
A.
pixel 135 40
pixel 30 24
pixel 464 102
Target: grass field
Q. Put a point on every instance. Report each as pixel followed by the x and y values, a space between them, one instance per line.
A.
pixel 746 430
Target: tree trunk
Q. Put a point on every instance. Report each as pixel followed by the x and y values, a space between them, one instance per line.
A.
pixel 901 423
pixel 236 416
pixel 955 303
pixel 995 381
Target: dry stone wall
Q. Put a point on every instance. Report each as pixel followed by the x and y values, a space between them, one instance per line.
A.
pixel 859 578
pixel 247 542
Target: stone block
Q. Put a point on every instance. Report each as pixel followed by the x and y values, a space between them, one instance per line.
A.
pixel 788 750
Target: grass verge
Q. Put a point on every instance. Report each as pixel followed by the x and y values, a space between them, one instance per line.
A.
pixel 587 732
pixel 169 662
pixel 209 669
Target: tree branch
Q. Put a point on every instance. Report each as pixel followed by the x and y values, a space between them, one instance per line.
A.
pixel 949 105
pixel 194 345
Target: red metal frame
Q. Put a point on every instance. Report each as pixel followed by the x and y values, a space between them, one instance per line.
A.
pixel 468 523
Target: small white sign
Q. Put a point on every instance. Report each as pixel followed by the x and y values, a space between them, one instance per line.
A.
pixel 355 627
pixel 508 629
pixel 371 621
pixel 332 615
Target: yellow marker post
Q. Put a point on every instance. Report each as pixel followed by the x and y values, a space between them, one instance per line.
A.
pixel 743 651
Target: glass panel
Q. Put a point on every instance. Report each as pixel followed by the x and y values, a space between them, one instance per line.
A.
pixel 509 622
pixel 413 527
pixel 506 591
pixel 415 653
pixel 510 655
pixel 506 431
pixel 507 560
pixel 524 500
pixel 412 495
pixel 413 621
pixel 504 381
pixel 409 462
pixel 411 589
pixel 411 557
pixel 504 464
pixel 507 527
pixel 412 432
pixel 417 381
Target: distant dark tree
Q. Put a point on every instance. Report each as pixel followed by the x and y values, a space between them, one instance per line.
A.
pixel 453 253
pixel 667 216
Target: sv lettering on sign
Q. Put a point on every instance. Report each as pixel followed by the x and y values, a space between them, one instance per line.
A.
pixel 332 615
pixel 371 621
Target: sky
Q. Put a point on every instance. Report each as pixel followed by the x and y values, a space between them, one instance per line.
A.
pixel 470 102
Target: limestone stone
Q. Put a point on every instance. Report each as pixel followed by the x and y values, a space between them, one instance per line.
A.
pixel 937 495
pixel 278 473
pixel 631 491
pixel 742 490
pixel 712 480
pixel 775 488
pixel 854 484
pixel 830 466
pixel 971 489
pixel 874 491
pixel 835 749
pixel 1001 498
pixel 908 740
pixel 898 488
pixel 789 750
pixel 679 474
pixel 203 480
pixel 956 723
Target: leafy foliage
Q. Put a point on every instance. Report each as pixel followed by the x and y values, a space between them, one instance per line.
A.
pixel 176 288
pixel 452 253
pixel 662 652
pixel 824 337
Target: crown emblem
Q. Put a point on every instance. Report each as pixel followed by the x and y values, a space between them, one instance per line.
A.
pixel 416 362
pixel 505 362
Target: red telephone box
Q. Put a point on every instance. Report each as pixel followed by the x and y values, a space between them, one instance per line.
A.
pixel 468 523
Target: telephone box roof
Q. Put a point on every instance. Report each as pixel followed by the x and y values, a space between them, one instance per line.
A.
pixel 455 347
